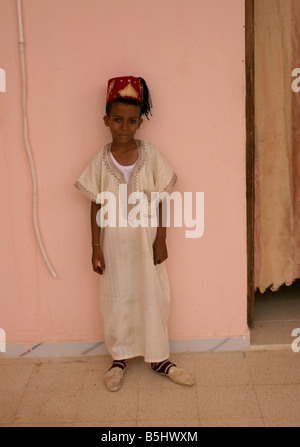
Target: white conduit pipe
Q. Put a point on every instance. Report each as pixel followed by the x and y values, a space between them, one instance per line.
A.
pixel 27 144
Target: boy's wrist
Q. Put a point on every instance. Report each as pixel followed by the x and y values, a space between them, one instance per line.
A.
pixel 161 231
pixel 161 236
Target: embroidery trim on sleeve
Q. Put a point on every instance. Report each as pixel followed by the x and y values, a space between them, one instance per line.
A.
pixel 86 191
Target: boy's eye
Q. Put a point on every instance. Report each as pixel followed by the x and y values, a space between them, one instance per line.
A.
pixel 119 120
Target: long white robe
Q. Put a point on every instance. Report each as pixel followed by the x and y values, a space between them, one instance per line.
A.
pixel 135 293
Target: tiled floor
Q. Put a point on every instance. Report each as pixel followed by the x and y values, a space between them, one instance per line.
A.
pixel 260 387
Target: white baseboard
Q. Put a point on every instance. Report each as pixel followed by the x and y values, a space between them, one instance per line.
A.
pixel 70 348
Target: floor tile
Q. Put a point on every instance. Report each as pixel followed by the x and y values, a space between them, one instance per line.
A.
pixel 45 407
pixel 65 376
pixel 169 423
pixel 115 423
pixel 233 422
pixel 177 403
pixel 101 405
pixel 14 376
pixel 227 402
pixel 9 404
pixel 273 332
pixel 279 401
pixel 282 422
pixel 274 367
pixel 228 369
pixel 41 424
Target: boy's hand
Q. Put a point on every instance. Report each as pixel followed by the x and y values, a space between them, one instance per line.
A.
pixel 98 260
pixel 160 252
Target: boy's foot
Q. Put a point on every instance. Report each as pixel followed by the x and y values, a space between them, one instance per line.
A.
pixel 178 375
pixel 113 379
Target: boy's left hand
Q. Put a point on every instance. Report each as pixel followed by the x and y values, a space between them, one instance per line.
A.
pixel 160 252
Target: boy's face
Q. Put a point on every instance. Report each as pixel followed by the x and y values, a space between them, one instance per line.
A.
pixel 124 120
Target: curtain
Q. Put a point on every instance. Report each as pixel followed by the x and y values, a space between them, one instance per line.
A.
pixel 277 159
pixel 295 14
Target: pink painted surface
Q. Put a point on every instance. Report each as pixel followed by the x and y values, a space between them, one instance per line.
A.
pixel 191 54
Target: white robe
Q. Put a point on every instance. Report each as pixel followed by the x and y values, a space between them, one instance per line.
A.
pixel 134 293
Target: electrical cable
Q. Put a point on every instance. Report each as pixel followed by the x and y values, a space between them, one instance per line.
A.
pixel 27 144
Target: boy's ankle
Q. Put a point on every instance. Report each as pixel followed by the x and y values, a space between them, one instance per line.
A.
pixel 118 364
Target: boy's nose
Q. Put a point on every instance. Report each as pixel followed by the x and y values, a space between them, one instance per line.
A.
pixel 124 125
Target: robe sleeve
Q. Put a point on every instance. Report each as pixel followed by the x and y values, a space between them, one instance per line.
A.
pixel 90 181
pixel 164 175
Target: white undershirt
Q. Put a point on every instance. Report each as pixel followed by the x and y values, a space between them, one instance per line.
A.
pixel 126 170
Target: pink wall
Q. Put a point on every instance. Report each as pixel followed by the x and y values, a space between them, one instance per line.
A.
pixel 191 54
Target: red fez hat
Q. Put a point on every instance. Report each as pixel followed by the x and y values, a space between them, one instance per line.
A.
pixel 127 87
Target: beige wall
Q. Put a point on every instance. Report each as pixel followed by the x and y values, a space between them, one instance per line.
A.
pixel 191 52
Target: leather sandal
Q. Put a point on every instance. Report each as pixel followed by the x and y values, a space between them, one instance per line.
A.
pixel 113 379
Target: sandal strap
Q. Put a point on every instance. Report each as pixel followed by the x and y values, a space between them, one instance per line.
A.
pixel 162 367
pixel 118 364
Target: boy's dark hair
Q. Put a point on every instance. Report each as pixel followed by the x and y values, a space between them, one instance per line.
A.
pixel 131 102
pixel 145 106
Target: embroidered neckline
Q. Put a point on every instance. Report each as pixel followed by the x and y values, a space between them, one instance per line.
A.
pixel 119 176
pixel 119 166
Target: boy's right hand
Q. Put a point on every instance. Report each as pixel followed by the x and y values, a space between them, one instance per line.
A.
pixel 98 260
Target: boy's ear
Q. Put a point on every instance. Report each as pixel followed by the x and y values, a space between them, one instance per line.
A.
pixel 106 119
